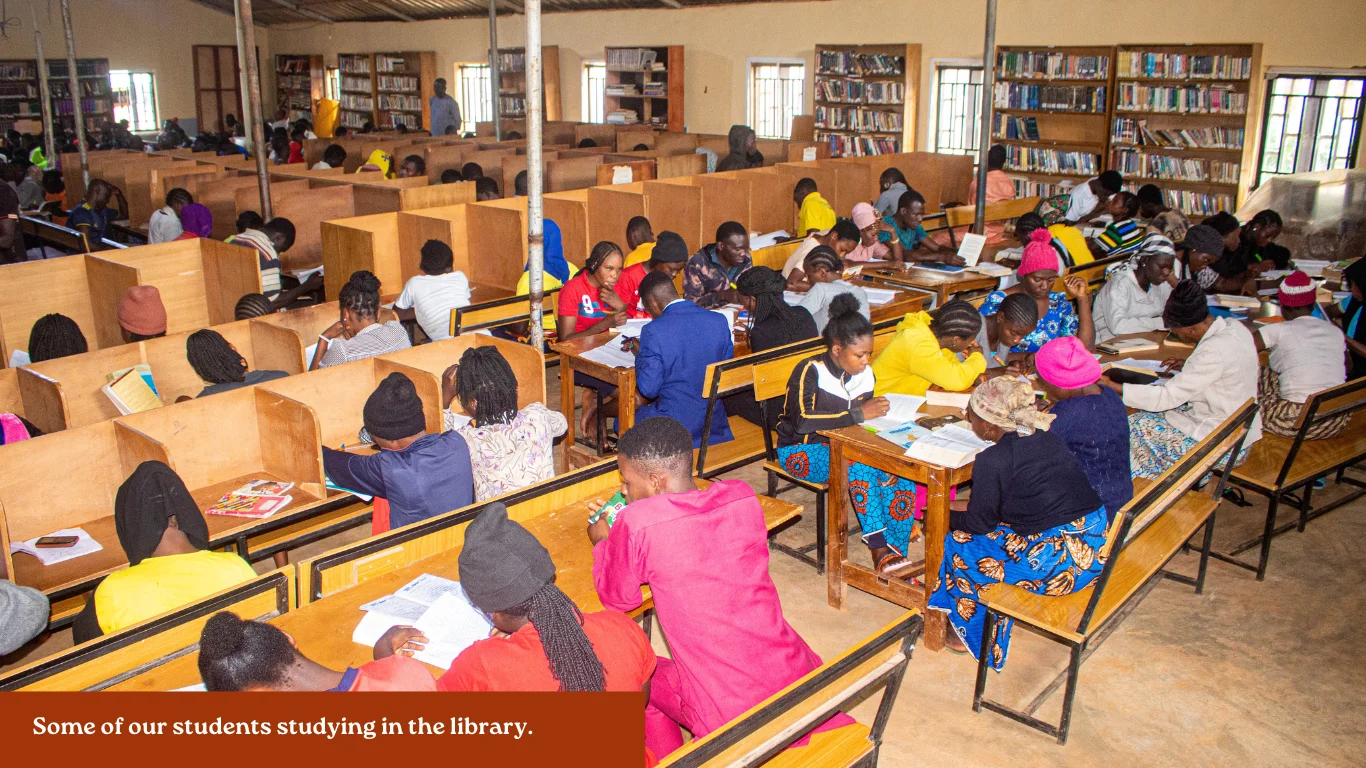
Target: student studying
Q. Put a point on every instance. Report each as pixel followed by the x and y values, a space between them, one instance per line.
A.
pixel 1124 232
pixel 164 225
pixel 709 276
pixel 869 225
pixel 1134 295
pixel 824 273
pixel 1037 273
pixel 893 184
pixel 814 214
pixel 1001 331
pixel 359 333
pixel 429 297
pixel 220 366
pixel 141 314
pixel 940 351
pixel 906 239
pixel 640 238
pixel 1308 355
pixel 668 255
pixel 54 336
pixel 841 238
pixel 1084 202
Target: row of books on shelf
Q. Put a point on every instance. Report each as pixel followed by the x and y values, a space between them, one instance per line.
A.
pixel 1031 188
pixel 1131 162
pixel 295 82
pixel 88 106
pixel 1051 65
pixel 1127 130
pixel 394 83
pixel 1039 160
pixel 858 146
pixel 390 64
pixel 400 101
pixel 357 103
pixel 856 119
pixel 1191 203
pixel 393 119
pixel 860 92
pixel 354 65
pixel 1183 100
pixel 298 100
pixel 18 90
pixel 1013 127
pixel 84 68
pixel 850 63
pixel 355 84
pixel 286 66
pixel 62 89
pixel 622 117
pixel 354 119
pixel 1182 66
pixel 1071 98
pixel 512 62
pixel 631 58
pixel 17 72
pixel 512 105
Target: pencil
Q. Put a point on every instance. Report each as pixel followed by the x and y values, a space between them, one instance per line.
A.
pixel 998 360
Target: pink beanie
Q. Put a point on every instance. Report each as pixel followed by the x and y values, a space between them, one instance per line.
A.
pixel 864 215
pixel 1065 363
pixel 1039 253
pixel 1297 290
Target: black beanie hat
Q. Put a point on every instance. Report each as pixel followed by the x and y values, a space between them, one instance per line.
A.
pixel 394 411
pixel 1187 305
pixel 501 564
pixel 669 247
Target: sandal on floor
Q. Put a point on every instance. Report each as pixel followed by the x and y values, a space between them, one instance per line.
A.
pixel 890 571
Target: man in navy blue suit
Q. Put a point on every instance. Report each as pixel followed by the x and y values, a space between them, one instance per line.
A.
pixel 672 356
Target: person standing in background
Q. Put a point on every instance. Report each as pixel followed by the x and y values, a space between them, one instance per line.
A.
pixel 445 110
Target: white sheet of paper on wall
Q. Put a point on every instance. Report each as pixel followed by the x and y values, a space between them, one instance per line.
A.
pixel 808 154
pixel 621 174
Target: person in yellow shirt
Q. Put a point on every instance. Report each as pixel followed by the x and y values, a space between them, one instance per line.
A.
pixel 926 352
pixel 640 238
pixel 1068 240
pixel 166 540
pixel 813 212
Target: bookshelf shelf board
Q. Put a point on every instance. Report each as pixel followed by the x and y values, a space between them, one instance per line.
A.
pixel 1081 80
pixel 1239 116
pixel 1180 81
pixel 861 76
pixel 858 133
pixel 1009 111
pixel 1224 184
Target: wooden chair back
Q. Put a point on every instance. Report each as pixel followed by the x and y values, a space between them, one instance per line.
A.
pixel 499 312
pixel 1093 272
pixel 65 239
pixel 965 215
pixel 1343 400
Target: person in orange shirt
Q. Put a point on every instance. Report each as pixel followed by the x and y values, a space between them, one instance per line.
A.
pixel 999 187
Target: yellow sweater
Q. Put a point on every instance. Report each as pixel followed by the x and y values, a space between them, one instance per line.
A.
pixel 914 361
pixel 816 214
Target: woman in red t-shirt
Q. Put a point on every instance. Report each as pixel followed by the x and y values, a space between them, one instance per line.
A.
pixel 589 306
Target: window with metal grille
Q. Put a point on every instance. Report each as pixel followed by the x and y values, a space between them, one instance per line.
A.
pixel 135 99
pixel 957 108
pixel 476 95
pixel 777 92
pixel 594 88
pixel 1310 123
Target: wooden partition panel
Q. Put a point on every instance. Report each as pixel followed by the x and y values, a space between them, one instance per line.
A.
pixel 852 181
pixel 497 242
pixel 604 135
pixel 230 272
pixel 797 151
pixel 276 348
pixel 610 210
pixel 641 170
pixel 721 200
pixel 673 166
pixel 446 224
pixel 491 161
pixel 36 288
pixel 570 211
pixel 718 143
pixel 627 139
pixel 773 150
pixel 435 196
pixel 65 393
pixel 826 183
pixel 11 401
pixel 164 179
pixel 375 198
pixel 361 242
pixel 308 210
pixel 263 346
pixel 137 186
pixel 770 200
pixel 441 157
pixel 676 143
pixel 436 357
pixel 940 178
pixel 558 132
pixel 220 197
pixel 176 270
pixel 306 322
pixel 108 280
pixel 337 396
pixel 677 208
pixel 513 165
pixel 569 173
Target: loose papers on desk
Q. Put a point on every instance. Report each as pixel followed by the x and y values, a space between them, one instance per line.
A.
pixel 951 446
pixel 877 297
pixel 53 555
pixel 631 328
pixel 767 240
pixel 971 249
pixel 611 355
pixel 435 606
pixel 903 408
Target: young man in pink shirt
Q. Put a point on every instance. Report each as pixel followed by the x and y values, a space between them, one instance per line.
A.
pixel 704 554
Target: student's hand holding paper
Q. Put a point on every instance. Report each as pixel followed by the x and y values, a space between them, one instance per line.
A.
pixel 875 408
pixel 403 641
pixel 313 283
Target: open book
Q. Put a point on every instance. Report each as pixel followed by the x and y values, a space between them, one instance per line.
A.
pixel 951 446
pixel 131 392
pixel 436 606
pixel 904 408
pixel 1127 346
pixel 259 499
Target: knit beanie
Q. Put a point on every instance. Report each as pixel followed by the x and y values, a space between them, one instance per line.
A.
pixel 1202 238
pixel 669 247
pixel 394 411
pixel 1296 290
pixel 1187 305
pixel 141 311
pixel 1039 253
pixel 501 564
pixel 1065 363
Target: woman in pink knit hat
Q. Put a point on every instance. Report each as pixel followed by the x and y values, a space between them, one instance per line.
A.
pixel 1308 355
pixel 869 249
pixel 1038 271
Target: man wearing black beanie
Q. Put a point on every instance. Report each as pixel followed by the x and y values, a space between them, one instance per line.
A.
pixel 668 256
pixel 419 474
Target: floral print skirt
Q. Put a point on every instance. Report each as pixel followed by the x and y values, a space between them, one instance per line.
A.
pixel 886 505
pixel 1058 561
pixel 1155 445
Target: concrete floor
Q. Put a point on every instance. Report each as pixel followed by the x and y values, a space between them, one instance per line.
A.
pixel 1247 674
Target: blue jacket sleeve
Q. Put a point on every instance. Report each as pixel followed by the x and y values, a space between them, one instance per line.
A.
pixel 364 474
pixel 650 363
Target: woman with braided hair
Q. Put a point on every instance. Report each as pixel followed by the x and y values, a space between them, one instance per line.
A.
pixel 54 336
pixel 218 363
pixel 252 305
pixel 542 641
pixel 824 270
pixel 509 448
pixel 359 333
pixel 941 350
pixel 773 322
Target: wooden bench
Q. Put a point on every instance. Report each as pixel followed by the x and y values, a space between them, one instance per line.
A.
pixel 1278 466
pixel 65 239
pixel 965 215
pixel 1141 539
pixel 762 735
pixel 118 658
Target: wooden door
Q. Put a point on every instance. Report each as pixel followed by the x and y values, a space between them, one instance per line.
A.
pixel 217 80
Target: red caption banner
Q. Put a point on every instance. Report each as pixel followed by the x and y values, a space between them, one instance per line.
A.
pixel 569 729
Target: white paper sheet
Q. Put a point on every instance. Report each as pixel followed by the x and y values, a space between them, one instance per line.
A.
pixel 397 607
pixel 17 358
pixel 971 249
pixel 1148 365
pixel 904 408
pixel 621 174
pixel 992 270
pixel 878 297
pixel 427 589
pixel 611 355
pixel 633 327
pixel 190 688
pixel 808 154
pixel 308 356
pixel 302 275
pixel 951 446
pixel 768 239
pixel 54 555
pixel 1277 274
pixel 451 625
pixel 957 400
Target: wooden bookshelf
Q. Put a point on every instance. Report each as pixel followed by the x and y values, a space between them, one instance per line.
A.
pixel 512 82
pixel 866 97
pixel 629 70
pixel 1216 101
pixel 358 94
pixel 19 98
pixel 298 84
pixel 1051 111
pixel 404 90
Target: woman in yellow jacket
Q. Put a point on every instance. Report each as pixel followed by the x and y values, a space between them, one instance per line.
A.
pixel 926 352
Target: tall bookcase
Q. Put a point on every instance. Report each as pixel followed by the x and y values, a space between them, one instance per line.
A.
pixel 645 85
pixel 357 88
pixel 512 83
pixel 865 98
pixel 20 99
pixel 1184 120
pixel 298 84
pixel 403 89
pixel 1051 111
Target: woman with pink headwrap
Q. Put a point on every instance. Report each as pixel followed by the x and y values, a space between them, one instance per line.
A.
pixel 869 249
pixel 196 220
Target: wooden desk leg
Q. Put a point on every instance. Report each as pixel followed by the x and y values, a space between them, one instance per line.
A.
pixel 836 527
pixel 936 527
pixel 567 400
pixel 626 399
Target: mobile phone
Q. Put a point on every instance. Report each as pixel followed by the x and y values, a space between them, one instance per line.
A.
pixel 56 542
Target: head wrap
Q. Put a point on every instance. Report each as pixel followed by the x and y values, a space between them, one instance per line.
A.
pixel 670 248
pixel 864 215
pixel 501 564
pixel 197 220
pixel 1065 363
pixel 1153 244
pixel 141 311
pixel 552 253
pixel 1038 254
pixel 394 411
pixel 1187 306
pixel 1008 402
pixel 146 501
pixel 1296 290
pixel 1202 238
pixel 379 161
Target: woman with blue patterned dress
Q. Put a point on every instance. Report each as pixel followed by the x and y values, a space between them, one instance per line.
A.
pixel 1037 273
pixel 835 390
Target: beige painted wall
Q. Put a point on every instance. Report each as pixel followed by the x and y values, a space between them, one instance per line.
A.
pixel 718 39
pixel 140 35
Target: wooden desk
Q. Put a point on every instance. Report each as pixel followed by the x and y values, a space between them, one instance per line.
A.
pixel 859 445
pixel 941 284
pixel 1164 352
pixel 571 360
pixel 322 628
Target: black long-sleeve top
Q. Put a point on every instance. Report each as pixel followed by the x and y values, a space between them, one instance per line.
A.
pixel 1029 483
pixel 820 395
